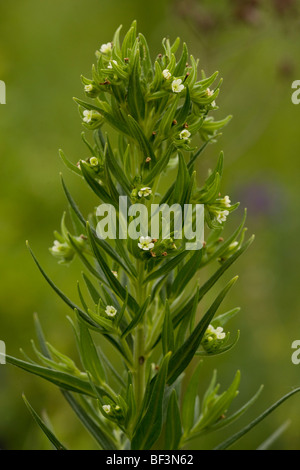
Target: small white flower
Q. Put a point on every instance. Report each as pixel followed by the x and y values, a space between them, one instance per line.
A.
pixel 209 93
pixel 88 88
pixel 57 246
pixel 88 116
pixel 106 48
pixel 177 86
pixel 94 161
pixel 110 311
pixel 222 216
pixel 220 333
pixel 227 201
pixel 146 243
pixel 144 192
pixel 185 134
pixel 166 74
pixel 110 64
pixel 115 274
pixel 106 408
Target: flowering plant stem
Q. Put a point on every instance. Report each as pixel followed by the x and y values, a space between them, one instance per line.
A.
pixel 141 289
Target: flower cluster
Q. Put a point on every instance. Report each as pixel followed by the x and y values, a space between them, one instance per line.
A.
pixel 213 339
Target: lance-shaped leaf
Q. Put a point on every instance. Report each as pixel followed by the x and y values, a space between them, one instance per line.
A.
pixel 137 319
pixel 149 428
pixel 116 169
pixel 167 267
pixel 88 354
pixel 173 430
pixel 135 95
pixel 233 439
pixel 181 65
pixel 98 431
pixel 189 399
pixel 167 336
pixel 160 166
pixel 181 359
pixel 115 285
pixel 186 273
pixel 68 164
pixel 52 438
pixel 181 311
pixel 60 293
pixel 89 177
pixel 61 379
pixel 138 134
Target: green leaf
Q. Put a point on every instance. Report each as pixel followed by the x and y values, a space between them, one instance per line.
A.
pixel 138 134
pixel 52 438
pixel 61 379
pixel 137 319
pixel 73 204
pixel 178 315
pixel 233 439
pixel 68 164
pixel 88 354
pixel 189 399
pixel 89 177
pixel 181 65
pixel 167 336
pixel 115 285
pixel 149 428
pixel 101 436
pixel 218 406
pixel 60 293
pixel 116 169
pixel 173 424
pixel 223 319
pixel 182 182
pixel 135 95
pixel 160 166
pixel 180 360
pixel 167 267
pixel 186 273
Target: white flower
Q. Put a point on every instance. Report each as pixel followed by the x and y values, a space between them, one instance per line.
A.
pixel 144 192
pixel 110 64
pixel 58 247
pixel 167 74
pixel 177 86
pixel 106 408
pixel 185 134
pixel 115 274
pixel 88 116
pixel 110 311
pixel 210 93
pixel 88 88
pixel 146 243
pixel 220 333
pixel 94 161
pixel 106 48
pixel 226 201
pixel 221 216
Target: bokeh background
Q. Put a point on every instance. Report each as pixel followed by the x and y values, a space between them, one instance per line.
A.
pixel 44 47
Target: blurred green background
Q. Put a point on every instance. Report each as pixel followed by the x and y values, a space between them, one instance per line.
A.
pixel 44 47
